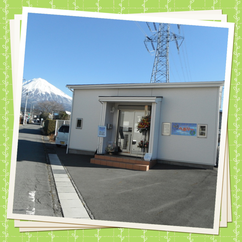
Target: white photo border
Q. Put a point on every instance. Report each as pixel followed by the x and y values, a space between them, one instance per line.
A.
pixel 230 27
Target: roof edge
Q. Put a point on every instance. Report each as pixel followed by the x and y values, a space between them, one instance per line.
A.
pixel 145 85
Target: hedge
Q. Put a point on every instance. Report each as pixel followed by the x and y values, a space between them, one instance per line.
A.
pixel 49 126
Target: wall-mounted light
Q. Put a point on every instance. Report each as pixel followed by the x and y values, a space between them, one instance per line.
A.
pixel 112 110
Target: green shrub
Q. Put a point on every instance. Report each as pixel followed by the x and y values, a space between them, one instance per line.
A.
pixel 49 127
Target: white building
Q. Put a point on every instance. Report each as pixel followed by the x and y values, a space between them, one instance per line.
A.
pixel 184 120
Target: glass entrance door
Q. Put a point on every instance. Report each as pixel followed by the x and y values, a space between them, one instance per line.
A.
pixel 128 135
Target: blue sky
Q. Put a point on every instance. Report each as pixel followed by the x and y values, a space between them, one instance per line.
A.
pixel 76 50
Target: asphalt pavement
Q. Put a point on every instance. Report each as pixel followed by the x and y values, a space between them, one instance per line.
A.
pixel 34 192
pixel 165 195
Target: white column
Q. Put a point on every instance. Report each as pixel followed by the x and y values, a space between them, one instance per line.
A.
pixel 155 128
pixel 100 148
pixel 152 129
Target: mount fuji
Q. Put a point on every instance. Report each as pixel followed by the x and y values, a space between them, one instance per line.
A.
pixel 40 90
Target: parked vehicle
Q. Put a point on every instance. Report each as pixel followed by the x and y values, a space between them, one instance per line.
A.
pixel 62 135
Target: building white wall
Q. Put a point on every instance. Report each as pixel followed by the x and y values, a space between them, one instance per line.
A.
pixel 179 105
pixel 86 106
pixel 191 105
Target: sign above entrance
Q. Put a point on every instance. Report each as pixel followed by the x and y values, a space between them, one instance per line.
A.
pixel 185 129
pixel 101 131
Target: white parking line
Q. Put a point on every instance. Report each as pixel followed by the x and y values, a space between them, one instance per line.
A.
pixel 31 203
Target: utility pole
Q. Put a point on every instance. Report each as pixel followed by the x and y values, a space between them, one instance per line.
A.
pixel 32 112
pixel 26 101
pixel 162 36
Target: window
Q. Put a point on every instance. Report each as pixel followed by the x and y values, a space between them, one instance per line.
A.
pixel 79 123
pixel 64 129
pixel 202 130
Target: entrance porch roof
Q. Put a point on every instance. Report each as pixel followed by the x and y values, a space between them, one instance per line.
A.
pixel 136 99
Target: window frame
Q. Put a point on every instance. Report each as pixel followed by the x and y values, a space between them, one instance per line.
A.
pixel 79 119
pixel 198 131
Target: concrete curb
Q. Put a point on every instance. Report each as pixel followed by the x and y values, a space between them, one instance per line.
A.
pixel 70 200
pixel 71 204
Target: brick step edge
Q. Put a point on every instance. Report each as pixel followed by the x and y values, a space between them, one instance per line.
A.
pixel 125 159
pixel 119 164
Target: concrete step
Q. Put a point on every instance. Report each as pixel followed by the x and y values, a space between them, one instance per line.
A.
pixel 119 164
pixel 123 162
pixel 123 159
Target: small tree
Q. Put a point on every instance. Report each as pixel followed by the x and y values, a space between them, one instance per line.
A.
pixel 48 107
pixel 44 115
pixel 63 115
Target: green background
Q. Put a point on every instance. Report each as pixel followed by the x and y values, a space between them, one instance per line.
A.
pixel 10 7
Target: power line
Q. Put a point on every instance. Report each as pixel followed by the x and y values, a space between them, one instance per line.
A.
pixel 189 71
pixel 182 68
pixel 186 65
pixel 174 63
pixel 140 28
pixel 183 61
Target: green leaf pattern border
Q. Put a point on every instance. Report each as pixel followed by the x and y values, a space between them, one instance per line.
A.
pixel 10 7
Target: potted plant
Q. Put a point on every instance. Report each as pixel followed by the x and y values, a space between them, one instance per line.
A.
pixel 143 145
pixel 144 124
pixel 112 148
pixel 144 127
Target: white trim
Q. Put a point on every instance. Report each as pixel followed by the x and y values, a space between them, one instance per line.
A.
pixel 146 85
pixel 136 17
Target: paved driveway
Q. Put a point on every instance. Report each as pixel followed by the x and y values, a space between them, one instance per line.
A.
pixel 167 195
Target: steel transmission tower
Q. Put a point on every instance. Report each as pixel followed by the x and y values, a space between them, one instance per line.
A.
pixel 162 37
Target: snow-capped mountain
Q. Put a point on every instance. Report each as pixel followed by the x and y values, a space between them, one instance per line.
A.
pixel 40 90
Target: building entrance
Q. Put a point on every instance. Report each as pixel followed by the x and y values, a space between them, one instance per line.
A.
pixel 129 138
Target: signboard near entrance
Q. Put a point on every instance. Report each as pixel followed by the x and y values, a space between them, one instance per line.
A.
pixel 166 128
pixel 186 129
pixel 101 131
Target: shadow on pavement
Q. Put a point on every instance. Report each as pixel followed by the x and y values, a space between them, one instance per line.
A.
pixel 84 161
pixel 25 130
